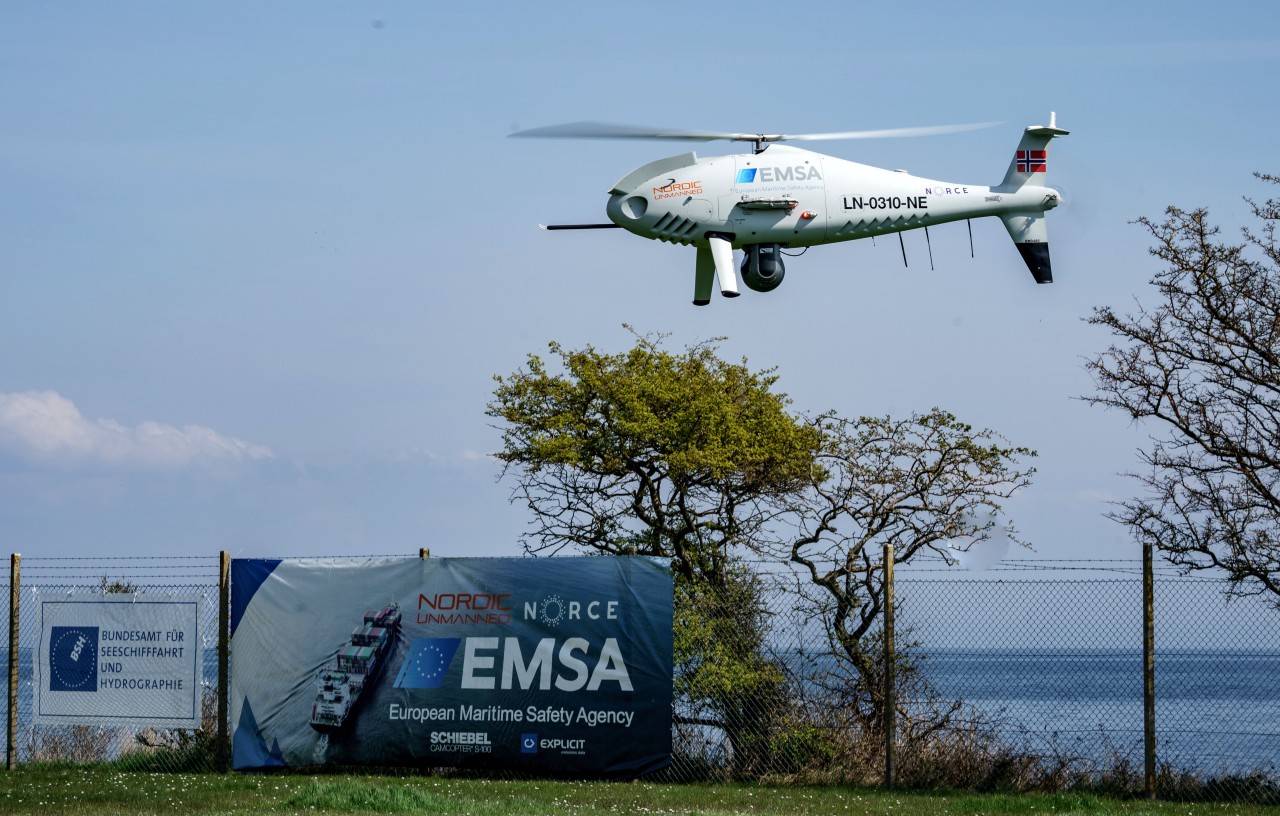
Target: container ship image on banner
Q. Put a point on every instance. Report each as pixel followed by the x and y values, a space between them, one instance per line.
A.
pixel 341 686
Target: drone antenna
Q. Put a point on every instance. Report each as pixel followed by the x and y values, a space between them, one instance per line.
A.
pixel 969 222
pixel 930 245
pixel 904 249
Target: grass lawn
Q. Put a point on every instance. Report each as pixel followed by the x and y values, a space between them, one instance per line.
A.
pixel 90 791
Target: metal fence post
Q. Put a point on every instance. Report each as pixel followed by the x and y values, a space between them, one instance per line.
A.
pixel 224 659
pixel 890 697
pixel 15 592
pixel 1148 669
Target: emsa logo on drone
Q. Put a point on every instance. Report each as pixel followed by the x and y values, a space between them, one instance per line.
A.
pixel 768 175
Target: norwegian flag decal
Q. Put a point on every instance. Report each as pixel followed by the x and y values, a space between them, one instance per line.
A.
pixel 1033 161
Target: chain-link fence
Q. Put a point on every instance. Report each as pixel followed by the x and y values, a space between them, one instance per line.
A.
pixel 1027 676
pixel 1051 664
pixel 128 746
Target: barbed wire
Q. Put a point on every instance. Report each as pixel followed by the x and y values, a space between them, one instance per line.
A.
pixel 39 558
pixel 97 571
pixel 211 559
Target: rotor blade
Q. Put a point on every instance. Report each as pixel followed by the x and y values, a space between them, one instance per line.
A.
pixel 608 130
pixel 576 226
pixel 891 133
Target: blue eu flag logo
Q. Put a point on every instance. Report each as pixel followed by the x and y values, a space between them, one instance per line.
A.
pixel 73 658
pixel 745 176
pixel 427 663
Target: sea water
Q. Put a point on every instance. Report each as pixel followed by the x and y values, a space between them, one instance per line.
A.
pixel 1216 712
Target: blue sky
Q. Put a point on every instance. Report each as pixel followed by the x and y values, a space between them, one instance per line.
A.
pixel 260 262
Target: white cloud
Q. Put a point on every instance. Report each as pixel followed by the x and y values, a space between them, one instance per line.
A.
pixel 464 457
pixel 46 427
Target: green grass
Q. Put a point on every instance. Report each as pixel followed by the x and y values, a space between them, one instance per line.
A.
pixel 93 791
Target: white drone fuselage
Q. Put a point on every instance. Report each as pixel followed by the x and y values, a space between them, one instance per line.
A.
pixel 798 198
pixel 785 197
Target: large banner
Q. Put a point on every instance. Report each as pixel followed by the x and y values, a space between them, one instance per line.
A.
pixel 124 661
pixel 560 665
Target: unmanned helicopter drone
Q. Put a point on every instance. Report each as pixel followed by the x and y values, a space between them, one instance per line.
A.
pixel 780 197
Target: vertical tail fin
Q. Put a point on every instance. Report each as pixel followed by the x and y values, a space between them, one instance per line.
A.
pixel 1031 159
pixel 1028 168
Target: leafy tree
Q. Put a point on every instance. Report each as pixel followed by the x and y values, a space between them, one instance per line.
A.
pixel 1202 367
pixel 925 484
pixel 677 455
pixel 723 675
pixel 692 458
pixel 650 452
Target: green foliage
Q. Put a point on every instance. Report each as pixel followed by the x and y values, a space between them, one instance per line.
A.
pixel 696 416
pixel 802 747
pixel 718 641
pixel 722 672
pixel 99 791
pixel 679 455
pixel 687 456
pixel 194 757
pixel 362 795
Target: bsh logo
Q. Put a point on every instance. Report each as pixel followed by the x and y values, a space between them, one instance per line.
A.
pixel 73 658
pixel 528 743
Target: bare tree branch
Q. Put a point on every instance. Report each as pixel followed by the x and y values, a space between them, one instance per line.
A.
pixel 1201 368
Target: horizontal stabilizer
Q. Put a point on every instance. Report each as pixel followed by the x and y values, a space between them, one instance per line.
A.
pixel 1031 236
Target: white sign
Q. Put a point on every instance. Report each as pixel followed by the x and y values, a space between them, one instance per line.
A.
pixel 127 662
